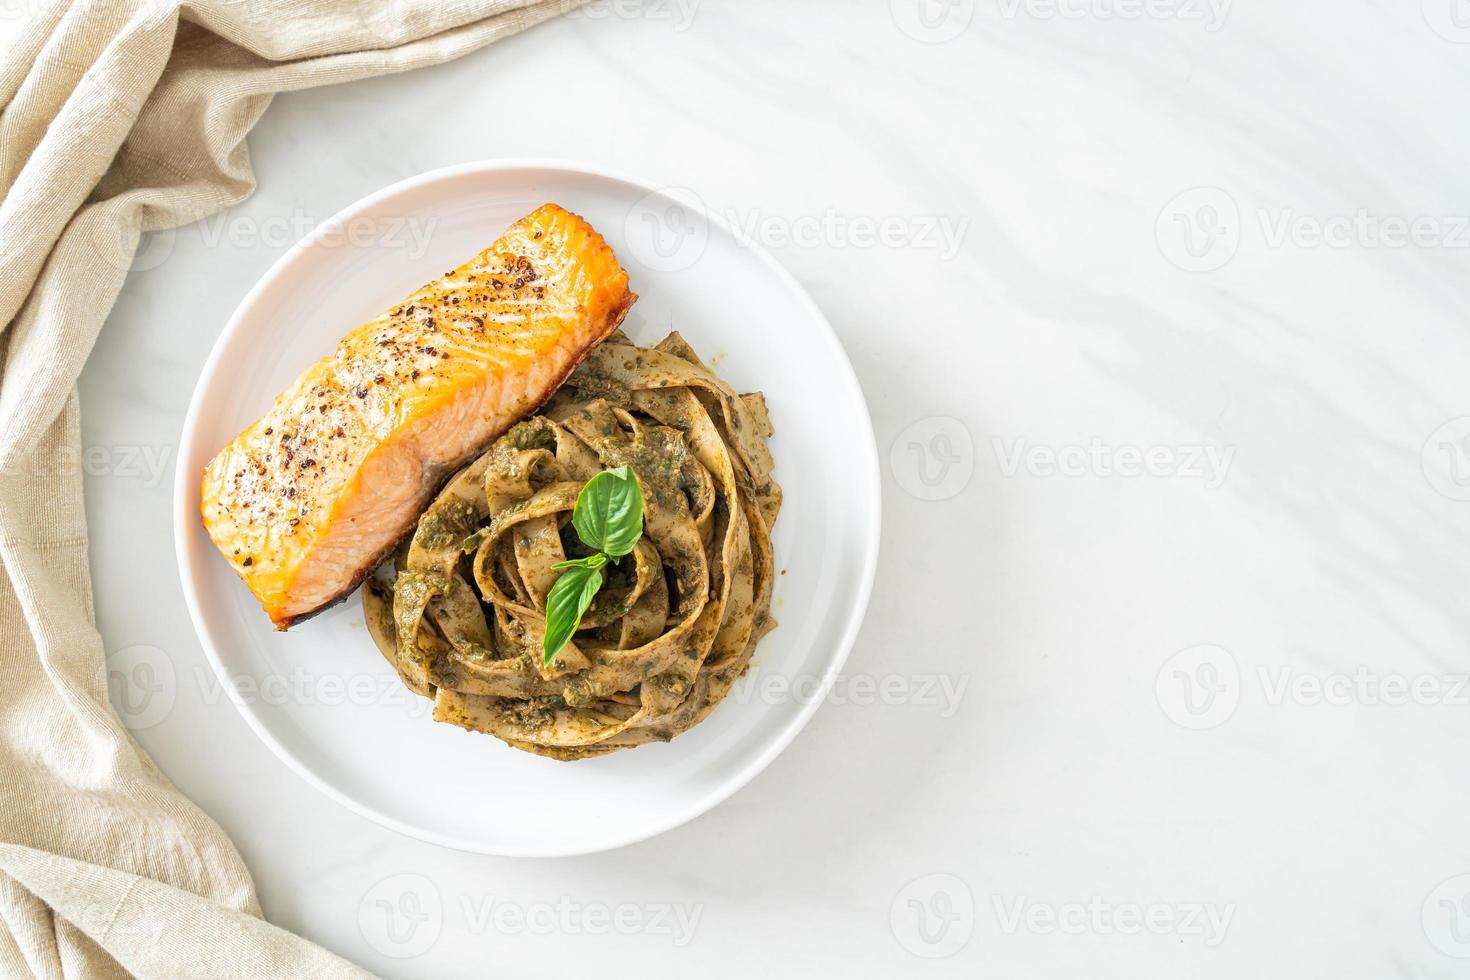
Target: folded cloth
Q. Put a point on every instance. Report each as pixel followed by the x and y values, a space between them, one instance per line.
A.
pixel 119 117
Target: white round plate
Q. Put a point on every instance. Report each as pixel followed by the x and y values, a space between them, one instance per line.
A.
pixel 323 698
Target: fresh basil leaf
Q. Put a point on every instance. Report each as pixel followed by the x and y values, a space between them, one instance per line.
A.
pixel 609 512
pixel 596 560
pixel 566 604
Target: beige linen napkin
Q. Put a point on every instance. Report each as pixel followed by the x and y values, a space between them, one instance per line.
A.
pixel 122 116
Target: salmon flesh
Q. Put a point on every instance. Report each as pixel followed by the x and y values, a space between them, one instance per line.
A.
pixel 306 502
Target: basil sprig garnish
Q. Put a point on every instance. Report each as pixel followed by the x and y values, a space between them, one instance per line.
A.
pixel 609 513
pixel 608 517
pixel 566 604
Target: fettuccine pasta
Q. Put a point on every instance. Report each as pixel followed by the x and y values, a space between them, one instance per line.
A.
pixel 460 612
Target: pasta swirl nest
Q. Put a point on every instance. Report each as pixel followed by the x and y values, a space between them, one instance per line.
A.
pixel 460 611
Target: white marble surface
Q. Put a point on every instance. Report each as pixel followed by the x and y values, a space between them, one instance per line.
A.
pixel 1169 617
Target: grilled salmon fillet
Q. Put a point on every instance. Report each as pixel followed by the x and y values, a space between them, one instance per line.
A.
pixel 308 500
